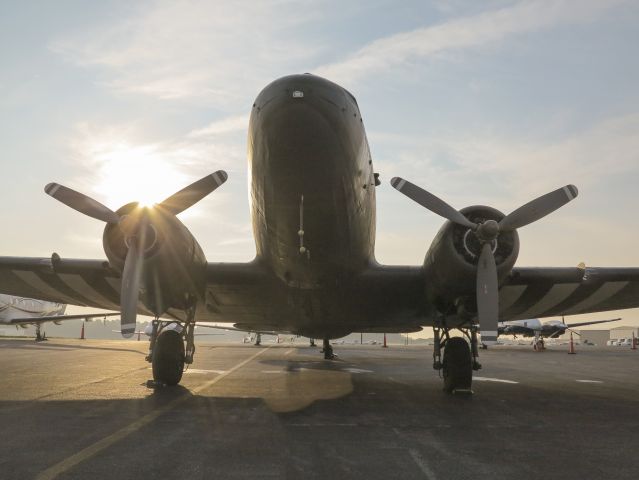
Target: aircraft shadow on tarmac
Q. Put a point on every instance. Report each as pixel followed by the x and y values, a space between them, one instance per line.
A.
pixel 31 344
pixel 373 428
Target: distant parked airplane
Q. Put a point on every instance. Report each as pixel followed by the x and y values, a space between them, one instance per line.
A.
pixel 534 328
pixel 21 312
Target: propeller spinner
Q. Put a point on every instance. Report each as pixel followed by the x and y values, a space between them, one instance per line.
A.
pixel 486 232
pixel 134 228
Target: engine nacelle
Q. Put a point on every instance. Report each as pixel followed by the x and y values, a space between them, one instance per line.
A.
pixel 451 262
pixel 174 265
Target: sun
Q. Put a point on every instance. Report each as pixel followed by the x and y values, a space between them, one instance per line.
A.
pixel 142 174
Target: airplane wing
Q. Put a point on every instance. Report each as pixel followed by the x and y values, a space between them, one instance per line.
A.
pixel 235 329
pixel 594 322
pixel 236 292
pixel 547 292
pixel 383 298
pixel 58 318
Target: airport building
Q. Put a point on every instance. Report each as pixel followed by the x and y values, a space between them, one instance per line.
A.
pixel 600 337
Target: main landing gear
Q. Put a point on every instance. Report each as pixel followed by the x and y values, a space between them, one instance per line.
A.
pixel 40 337
pixel 171 347
pixel 538 344
pixel 328 350
pixel 460 359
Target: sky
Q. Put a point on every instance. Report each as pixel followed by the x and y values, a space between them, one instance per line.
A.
pixel 492 103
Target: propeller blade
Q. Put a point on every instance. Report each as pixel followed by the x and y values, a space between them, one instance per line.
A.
pixel 131 276
pixel 80 202
pixel 538 208
pixel 189 196
pixel 430 201
pixel 487 296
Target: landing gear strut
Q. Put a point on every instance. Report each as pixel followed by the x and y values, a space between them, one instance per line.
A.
pixel 312 342
pixel 328 350
pixel 40 337
pixel 258 339
pixel 460 358
pixel 538 344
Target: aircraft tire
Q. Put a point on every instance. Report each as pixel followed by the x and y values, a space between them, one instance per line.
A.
pixel 168 358
pixel 457 368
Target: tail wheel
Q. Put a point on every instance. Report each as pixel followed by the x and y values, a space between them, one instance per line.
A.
pixel 168 358
pixel 457 366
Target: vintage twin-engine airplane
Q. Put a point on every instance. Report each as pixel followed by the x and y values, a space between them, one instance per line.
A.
pixel 533 327
pixel 315 275
pixel 22 312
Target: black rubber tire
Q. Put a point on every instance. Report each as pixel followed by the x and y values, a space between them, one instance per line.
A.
pixel 457 368
pixel 168 358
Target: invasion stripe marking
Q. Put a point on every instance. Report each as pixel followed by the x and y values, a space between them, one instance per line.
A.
pixel 34 281
pixel 557 294
pixel 99 283
pixel 604 292
pixel 79 284
pixel 116 283
pixel 532 294
pixel 509 295
pixel 57 284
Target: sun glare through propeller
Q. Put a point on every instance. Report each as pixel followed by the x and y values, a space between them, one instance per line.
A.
pixel 134 227
pixel 486 232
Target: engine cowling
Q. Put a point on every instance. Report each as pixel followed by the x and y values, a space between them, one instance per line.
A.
pixel 451 262
pixel 173 266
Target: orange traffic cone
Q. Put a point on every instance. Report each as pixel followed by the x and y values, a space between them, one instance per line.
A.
pixel 82 332
pixel 571 350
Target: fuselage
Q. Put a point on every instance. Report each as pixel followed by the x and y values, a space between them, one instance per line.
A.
pixel 312 183
pixel 12 307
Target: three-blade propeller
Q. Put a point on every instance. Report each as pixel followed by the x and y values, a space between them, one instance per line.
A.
pixel 134 228
pixel 486 232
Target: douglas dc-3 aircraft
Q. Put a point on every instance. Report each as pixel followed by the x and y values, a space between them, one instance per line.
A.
pixel 315 275
pixel 22 312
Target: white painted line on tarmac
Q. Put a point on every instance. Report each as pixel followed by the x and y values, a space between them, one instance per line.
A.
pixel 356 370
pixel 273 371
pixel 589 381
pixel 488 379
pixel 200 370
pixel 290 351
pixel 97 447
pixel 421 463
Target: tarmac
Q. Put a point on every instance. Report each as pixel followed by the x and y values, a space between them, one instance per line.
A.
pixel 73 409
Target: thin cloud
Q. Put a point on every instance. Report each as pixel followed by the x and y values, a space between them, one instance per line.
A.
pixel 463 33
pixel 209 51
pixel 236 123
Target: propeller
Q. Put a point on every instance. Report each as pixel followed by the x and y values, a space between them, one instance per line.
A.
pixel 134 227
pixel 486 232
